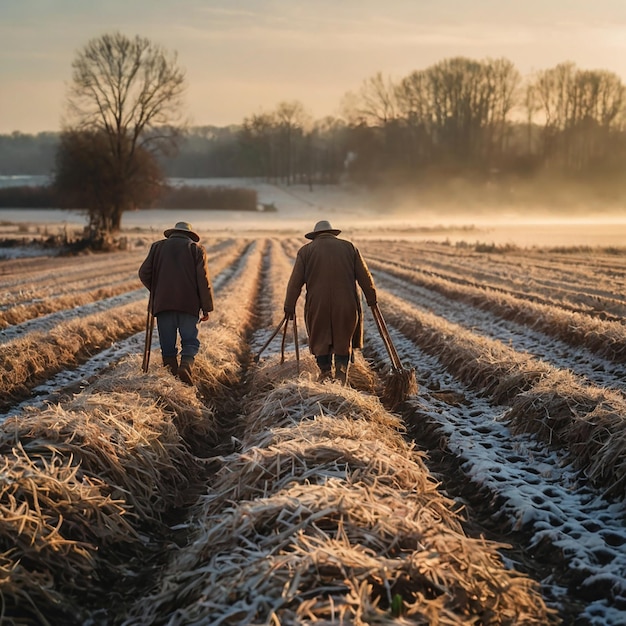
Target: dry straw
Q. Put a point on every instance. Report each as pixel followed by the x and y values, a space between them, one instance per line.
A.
pixel 587 421
pixel 327 515
pixel 53 521
pixel 606 338
pixel 86 482
pixel 552 403
pixel 30 360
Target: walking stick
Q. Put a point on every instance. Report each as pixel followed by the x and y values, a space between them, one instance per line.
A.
pixel 295 339
pixel 267 343
pixel 149 329
pixel 282 344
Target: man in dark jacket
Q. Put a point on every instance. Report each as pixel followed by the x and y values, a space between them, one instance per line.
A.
pixel 331 268
pixel 177 275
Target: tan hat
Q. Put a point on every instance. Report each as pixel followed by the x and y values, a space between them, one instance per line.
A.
pixel 322 227
pixel 182 227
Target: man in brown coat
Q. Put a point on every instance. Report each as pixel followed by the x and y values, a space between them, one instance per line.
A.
pixel 331 268
pixel 177 275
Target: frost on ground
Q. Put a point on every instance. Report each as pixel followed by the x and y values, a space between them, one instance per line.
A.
pixel 570 535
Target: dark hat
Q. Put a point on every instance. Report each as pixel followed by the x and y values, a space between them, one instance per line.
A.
pixel 322 227
pixel 182 227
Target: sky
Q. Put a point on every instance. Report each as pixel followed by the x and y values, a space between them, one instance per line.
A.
pixel 244 57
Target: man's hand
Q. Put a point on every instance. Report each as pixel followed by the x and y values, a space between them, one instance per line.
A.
pixel 290 312
pixel 205 318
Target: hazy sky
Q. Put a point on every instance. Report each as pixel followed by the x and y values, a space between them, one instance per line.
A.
pixel 245 56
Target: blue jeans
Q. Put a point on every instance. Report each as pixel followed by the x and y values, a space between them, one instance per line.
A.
pixel 172 323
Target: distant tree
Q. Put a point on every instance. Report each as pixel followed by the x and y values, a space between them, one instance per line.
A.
pixel 328 150
pixel 470 103
pixel 375 103
pixel 276 144
pixel 86 179
pixel 124 106
pixel 371 114
pixel 257 140
pixel 292 120
pixel 583 112
pixel 453 114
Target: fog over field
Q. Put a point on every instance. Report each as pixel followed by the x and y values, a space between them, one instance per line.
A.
pixel 360 214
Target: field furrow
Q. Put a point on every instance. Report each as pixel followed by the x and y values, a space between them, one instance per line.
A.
pixel 565 411
pixel 111 279
pixel 486 321
pixel 597 292
pixel 263 496
pixel 605 338
pixel 515 485
pixel 44 348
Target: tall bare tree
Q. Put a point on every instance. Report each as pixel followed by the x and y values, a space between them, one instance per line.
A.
pixel 376 101
pixel 85 177
pixel 582 111
pixel 279 142
pixel 258 142
pixel 292 120
pixel 129 92
pixel 458 110
pixel 329 152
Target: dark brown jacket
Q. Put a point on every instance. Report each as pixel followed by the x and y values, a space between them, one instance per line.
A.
pixel 331 269
pixel 177 274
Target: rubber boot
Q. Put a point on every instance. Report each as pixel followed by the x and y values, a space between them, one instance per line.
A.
pixel 326 368
pixel 184 370
pixel 171 362
pixel 342 365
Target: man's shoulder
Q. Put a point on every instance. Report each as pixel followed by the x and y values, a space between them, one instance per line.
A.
pixel 343 244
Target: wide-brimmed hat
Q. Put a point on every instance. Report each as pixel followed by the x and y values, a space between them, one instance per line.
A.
pixel 322 227
pixel 182 227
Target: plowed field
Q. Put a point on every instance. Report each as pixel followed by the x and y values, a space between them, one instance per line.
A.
pixel 495 495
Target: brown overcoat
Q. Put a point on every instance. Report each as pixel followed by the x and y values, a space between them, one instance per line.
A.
pixel 331 268
pixel 177 274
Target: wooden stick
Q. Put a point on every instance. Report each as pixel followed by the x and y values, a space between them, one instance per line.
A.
pixel 282 345
pixel 384 333
pixel 295 339
pixel 149 330
pixel 267 343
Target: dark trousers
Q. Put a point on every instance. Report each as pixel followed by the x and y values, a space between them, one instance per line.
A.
pixel 171 324
pixel 325 361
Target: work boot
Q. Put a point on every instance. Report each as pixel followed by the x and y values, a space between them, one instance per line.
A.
pixel 341 374
pixel 342 365
pixel 184 370
pixel 325 364
pixel 171 362
pixel 326 373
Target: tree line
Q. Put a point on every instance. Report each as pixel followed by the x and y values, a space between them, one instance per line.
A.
pixel 460 118
pixel 457 116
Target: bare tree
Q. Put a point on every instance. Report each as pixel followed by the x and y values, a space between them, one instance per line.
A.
pixel 127 92
pixel 376 100
pixel 85 177
pixel 329 151
pixel 582 110
pixel 292 120
pixel 458 110
pixel 257 138
pixel 502 82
